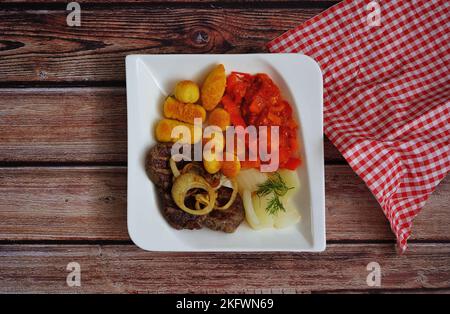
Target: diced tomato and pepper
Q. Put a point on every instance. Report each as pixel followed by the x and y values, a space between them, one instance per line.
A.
pixel 256 100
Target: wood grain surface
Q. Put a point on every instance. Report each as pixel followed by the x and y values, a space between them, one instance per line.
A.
pixel 241 3
pixel 89 203
pixel 126 268
pixel 71 125
pixel 38 46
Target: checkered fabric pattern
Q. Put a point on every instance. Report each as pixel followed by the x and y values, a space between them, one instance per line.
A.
pixel 386 95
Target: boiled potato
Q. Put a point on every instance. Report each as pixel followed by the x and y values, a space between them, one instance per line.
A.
pixel 249 179
pixel 264 218
pixel 281 219
pixel 250 215
pixel 212 166
pixel 213 87
pixel 211 163
pixel 165 127
pixel 289 217
pixel 187 92
pixel 292 181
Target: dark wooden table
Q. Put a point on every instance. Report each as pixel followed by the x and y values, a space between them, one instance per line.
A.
pixel 63 153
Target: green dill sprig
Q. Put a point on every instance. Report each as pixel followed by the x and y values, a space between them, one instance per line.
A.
pixel 276 187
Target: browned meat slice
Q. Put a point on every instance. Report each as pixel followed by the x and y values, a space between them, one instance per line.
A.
pixel 226 220
pixel 157 165
pixel 158 170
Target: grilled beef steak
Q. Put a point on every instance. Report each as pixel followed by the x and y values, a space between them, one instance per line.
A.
pixel 157 165
pixel 225 220
pixel 158 169
pixel 176 217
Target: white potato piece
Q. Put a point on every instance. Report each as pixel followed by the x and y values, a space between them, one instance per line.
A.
pixel 260 204
pixel 255 206
pixel 292 181
pixel 250 215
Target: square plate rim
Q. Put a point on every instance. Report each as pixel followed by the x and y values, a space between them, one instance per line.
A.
pixel 319 244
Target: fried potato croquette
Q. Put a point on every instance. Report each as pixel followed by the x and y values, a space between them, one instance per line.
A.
pixel 187 92
pixel 219 117
pixel 213 87
pixel 165 127
pixel 173 109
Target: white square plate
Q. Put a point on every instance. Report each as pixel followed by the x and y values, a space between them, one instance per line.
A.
pixel 150 78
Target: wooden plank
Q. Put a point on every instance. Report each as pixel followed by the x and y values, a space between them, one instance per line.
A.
pixel 89 203
pixel 38 46
pixel 126 268
pixel 63 203
pixel 170 2
pixel 70 125
pixel 354 214
pixel 63 125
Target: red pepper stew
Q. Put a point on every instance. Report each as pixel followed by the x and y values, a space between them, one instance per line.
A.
pixel 256 100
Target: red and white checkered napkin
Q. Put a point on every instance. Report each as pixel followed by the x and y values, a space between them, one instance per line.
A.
pixel 386 96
